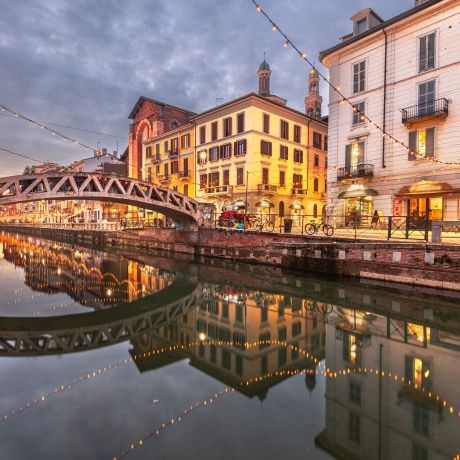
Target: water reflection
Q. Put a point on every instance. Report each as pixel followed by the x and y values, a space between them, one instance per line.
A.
pixel 385 361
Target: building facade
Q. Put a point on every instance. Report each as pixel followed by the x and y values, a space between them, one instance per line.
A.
pixel 403 74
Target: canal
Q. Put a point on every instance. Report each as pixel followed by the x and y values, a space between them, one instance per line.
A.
pixel 107 355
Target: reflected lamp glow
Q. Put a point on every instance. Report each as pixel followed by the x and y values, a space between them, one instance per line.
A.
pixel 202 336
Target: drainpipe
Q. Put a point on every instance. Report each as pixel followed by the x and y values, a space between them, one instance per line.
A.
pixel 195 158
pixel 384 98
pixel 308 154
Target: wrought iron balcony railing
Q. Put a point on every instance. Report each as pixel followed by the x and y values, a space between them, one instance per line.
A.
pixel 360 170
pixel 267 188
pixel 219 190
pixel 184 174
pixel 299 191
pixel 436 108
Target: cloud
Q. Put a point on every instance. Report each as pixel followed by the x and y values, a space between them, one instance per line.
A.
pixel 85 63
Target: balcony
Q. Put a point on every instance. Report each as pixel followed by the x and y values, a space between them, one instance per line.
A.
pixel 299 191
pixel 267 188
pixel 184 175
pixel 354 172
pixel 156 159
pixel 173 153
pixel 163 178
pixel 219 190
pixel 433 109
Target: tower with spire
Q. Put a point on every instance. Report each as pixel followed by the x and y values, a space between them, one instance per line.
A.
pixel 314 100
pixel 264 78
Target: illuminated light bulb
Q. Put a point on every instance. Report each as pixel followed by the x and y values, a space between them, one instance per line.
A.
pixel 274 28
pixel 258 8
pixel 303 55
pixel 286 44
pixel 109 292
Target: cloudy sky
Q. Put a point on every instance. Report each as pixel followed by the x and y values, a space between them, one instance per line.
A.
pixel 84 63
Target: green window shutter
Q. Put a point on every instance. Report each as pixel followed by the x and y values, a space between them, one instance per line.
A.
pixel 429 152
pixel 409 368
pixel 431 51
pixel 413 136
pixel 422 56
pixel 348 155
pixel 361 152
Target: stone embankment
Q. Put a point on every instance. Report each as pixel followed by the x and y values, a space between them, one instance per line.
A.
pixel 411 263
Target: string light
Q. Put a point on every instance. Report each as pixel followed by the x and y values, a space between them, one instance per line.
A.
pixel 343 98
pixel 53 132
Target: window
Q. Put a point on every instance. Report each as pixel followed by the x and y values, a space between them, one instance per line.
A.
pixel 266 148
pixel 418 372
pixel 226 177
pixel 296 329
pixel 315 211
pixel 240 123
pixel 149 174
pixel 213 353
pixel 214 179
pixel 282 178
pixel 297 133
pixel 284 129
pixel 264 175
pixel 297 180
pixel 185 141
pixel 213 153
pixel 284 152
pixel 264 340
pixel 354 427
pixel 166 169
pixel 166 146
pixel 316 184
pixel 421 419
pixel 175 144
pixel 419 452
pixel 226 151
pixel 148 152
pixel 359 77
pixel 358 112
pixel 186 189
pixel 422 144
pixel 360 26
pixel 316 161
pixel 282 333
pixel 239 176
pixel 298 156
pixel 185 166
pixel 214 131
pixel 354 154
pixel 157 151
pixel 203 181
pixel 355 392
pixel 174 167
pixel 264 365
pixel 427 52
pixel 282 356
pixel 201 157
pixel 426 97
pixel 226 362
pixel 227 127
pixel 239 365
pixel 317 140
pixel 325 143
pixel 239 314
pixel 202 134
pixel 266 123
pixel 240 147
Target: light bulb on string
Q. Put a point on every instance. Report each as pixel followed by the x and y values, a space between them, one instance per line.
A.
pixel 286 44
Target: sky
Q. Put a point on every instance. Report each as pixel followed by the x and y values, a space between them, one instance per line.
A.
pixel 84 63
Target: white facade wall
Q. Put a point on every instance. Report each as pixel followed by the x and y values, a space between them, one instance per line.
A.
pixel 403 79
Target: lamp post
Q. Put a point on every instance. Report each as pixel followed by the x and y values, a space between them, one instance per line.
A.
pixel 246 199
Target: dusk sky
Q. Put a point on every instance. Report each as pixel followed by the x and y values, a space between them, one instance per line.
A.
pixel 84 63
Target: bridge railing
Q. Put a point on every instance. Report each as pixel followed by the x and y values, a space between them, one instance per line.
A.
pixel 93 226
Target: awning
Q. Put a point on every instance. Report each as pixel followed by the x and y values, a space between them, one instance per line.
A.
pixel 296 206
pixel 359 193
pixel 426 189
pixel 264 204
pixel 239 204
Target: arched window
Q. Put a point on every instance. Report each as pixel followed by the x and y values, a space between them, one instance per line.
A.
pixel 324 211
pixel 281 209
pixel 315 211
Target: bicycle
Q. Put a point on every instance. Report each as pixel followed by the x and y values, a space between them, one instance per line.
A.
pixel 313 227
pixel 266 224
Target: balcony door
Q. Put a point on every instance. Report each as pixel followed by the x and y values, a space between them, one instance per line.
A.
pixel 426 97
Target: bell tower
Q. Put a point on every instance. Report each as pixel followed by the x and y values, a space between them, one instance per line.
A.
pixel 314 100
pixel 264 78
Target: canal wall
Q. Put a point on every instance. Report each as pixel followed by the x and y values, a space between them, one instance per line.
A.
pixel 410 263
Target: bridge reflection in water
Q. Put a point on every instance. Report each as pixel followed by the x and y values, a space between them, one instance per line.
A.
pixel 391 357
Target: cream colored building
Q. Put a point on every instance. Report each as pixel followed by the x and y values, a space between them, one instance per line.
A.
pixel 403 73
pixel 256 149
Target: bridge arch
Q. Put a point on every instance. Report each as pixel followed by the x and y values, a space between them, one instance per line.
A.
pixel 100 187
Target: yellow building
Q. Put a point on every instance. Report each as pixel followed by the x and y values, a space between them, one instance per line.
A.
pixel 256 149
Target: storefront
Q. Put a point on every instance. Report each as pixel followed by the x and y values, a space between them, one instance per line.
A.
pixel 357 206
pixel 424 200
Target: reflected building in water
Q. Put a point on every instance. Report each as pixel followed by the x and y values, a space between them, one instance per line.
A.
pixel 380 416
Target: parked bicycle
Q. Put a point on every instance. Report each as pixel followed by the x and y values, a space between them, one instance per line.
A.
pixel 314 227
pixel 264 225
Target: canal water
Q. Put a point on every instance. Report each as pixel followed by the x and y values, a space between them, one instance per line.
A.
pixel 107 356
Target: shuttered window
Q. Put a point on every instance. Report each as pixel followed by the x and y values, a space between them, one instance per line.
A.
pixel 284 129
pixel 266 148
pixel 427 52
pixel 298 156
pixel 421 144
pixel 227 127
pixel 359 77
pixel 284 152
pixel 240 147
pixel 214 131
pixel 203 180
pixel 282 178
pixel 226 151
pixel 266 123
pixel 226 177
pixel 297 132
pixel 239 176
pixel 202 134
pixel 240 122
pixel 213 153
pixel 264 175
pixel 317 140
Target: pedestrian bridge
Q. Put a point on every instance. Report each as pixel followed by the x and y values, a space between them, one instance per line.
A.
pixel 101 187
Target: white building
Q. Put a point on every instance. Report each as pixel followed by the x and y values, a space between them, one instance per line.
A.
pixel 404 74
